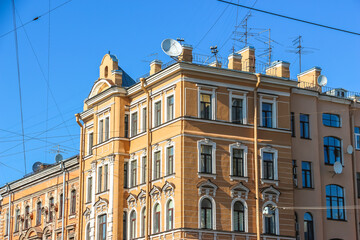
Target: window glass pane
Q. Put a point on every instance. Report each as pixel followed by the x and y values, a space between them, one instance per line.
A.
pixel 238 162
pixel 267 115
pixel 170 108
pixel 157 114
pixel 134 124
pixel 237 111
pixel 107 128
pixel 170 160
pixel 268 165
pixel 205 106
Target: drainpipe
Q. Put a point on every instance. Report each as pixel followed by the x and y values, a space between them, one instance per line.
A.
pixel 258 75
pixel 81 175
pixel 62 166
pixel 9 219
pixel 148 164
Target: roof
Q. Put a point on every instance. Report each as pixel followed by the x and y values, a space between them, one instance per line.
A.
pixel 127 81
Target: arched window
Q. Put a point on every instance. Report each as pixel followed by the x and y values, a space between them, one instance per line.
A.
pixel 170 215
pixel 206 214
pixel 332 150
pixel 239 217
pixel 106 72
pixel 269 219
pixel 27 216
pixel 157 218
pixel 88 232
pixel 335 202
pixel 133 224
pixel 143 217
pixel 73 202
pixel 308 226
pixel 102 227
pixel 38 213
pixel 51 209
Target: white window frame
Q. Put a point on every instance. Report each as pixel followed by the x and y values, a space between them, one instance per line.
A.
pixel 135 158
pixel 153 215
pixel 142 227
pixel 131 124
pixel 92 188
pixel 88 141
pixel 213 100
pixel 143 119
pixel 168 145
pixel 245 149
pixel 102 164
pixel 275 154
pixel 97 224
pixel 156 149
pixel 237 94
pixel 141 166
pixel 213 204
pixel 213 156
pixel 166 212
pixel 172 94
pixel 246 219
pixel 153 111
pixel 277 227
pixel 129 223
pixel 357 141
pixel 103 116
pixel 274 108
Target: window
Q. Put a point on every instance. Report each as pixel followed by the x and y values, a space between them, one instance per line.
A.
pixel 51 209
pixel 332 150
pixel 206 159
pixel 90 143
pixel 306 175
pixel 101 130
pixel 157 114
pixel 170 215
pixel 144 119
pixel 157 163
pixel 73 202
pixel 107 128
pixel 308 226
pixel 100 176
pixel 268 165
pixel 157 218
pixel 237 111
pixel 133 225
pixel 206 214
pixel 27 216
pixel 17 220
pixel 292 122
pixel 38 214
pixel 134 124
pixel 126 125
pixel 170 160
pixel 270 220
pixel 335 202
pixel 89 189
pixel 143 169
pixel 106 173
pixel 239 217
pixel 205 106
pixel 331 120
pixel 358 184
pixel 297 234
pixel 124 226
pixel 88 232
pixel 267 115
pixel 304 126
pixel 7 223
pixel 357 138
pixel 133 178
pixel 295 179
pixel 125 175
pixel 102 227
pixel 238 164
pixel 61 207
pixel 143 218
pixel 170 108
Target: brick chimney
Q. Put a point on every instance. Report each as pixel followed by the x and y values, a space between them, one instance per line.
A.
pixel 279 69
pixel 248 59
pixel 234 61
pixel 309 77
pixel 186 55
pixel 116 77
pixel 155 66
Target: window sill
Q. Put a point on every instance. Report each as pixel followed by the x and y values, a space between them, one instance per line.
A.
pixel 170 176
pixel 208 175
pixel 338 220
pixel 305 138
pixel 270 181
pixel 72 216
pixel 88 156
pixel 237 178
pixel 101 193
pixel 308 188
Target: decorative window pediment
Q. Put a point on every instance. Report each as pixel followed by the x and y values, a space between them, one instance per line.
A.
pixel 142 197
pixel 131 200
pixel 155 193
pixel 101 205
pixel 87 213
pixel 239 191
pixel 207 188
pixel 168 189
pixel 270 193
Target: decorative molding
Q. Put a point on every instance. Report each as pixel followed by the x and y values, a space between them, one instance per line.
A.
pixel 269 193
pixel 155 193
pixel 239 191
pixel 207 188
pixel 168 189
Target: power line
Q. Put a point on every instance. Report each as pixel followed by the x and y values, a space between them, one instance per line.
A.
pixel 291 18
pixel 47 89
pixel 19 83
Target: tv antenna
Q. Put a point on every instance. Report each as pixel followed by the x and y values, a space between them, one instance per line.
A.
pixel 299 49
pixel 180 40
pixel 151 55
pixel 58 151
pixel 215 51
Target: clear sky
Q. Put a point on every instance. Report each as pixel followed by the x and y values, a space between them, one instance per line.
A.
pixel 81 32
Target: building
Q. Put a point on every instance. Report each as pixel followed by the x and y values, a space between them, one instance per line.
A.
pixel 173 155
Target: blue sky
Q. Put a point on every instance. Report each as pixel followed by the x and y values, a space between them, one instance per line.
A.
pixel 82 32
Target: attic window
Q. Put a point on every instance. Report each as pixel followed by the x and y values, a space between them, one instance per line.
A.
pixel 106 71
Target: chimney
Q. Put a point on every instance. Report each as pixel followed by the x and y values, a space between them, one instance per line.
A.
pixel 186 55
pixel 279 69
pixel 248 59
pixel 234 61
pixel 309 78
pixel 155 66
pixel 215 64
pixel 116 77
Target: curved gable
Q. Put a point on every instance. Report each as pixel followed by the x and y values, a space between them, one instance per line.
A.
pixel 99 87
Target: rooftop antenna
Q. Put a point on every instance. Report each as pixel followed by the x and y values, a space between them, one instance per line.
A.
pixel 215 51
pixel 180 40
pixel 299 49
pixel 58 151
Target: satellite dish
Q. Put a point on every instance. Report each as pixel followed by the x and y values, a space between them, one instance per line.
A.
pixel 58 158
pixel 350 149
pixel 171 47
pixel 338 167
pixel 268 211
pixel 36 166
pixel 322 80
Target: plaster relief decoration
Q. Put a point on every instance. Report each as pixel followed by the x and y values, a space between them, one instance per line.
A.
pixel 156 147
pixel 93 165
pixel 142 197
pixel 155 193
pixel 207 188
pixel 131 200
pixel 101 205
pixel 168 189
pixel 239 191
pixel 87 213
pixel 270 193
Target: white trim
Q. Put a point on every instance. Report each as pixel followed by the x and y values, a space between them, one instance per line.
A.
pixel 274 109
pixel 137 122
pixel 207 142
pixel 277 223
pixel 95 88
pixel 142 155
pixel 134 158
pixel 153 111
pixel 88 142
pixel 141 221
pixel 103 117
pixel 166 214
pixel 213 209
pixel 143 119
pixel 212 101
pixel 246 219
pixel 155 149
pixel 166 106
pixel 245 150
pixel 275 155
pixel 153 218
pixel 169 145
pixel 129 221
pixel 238 95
